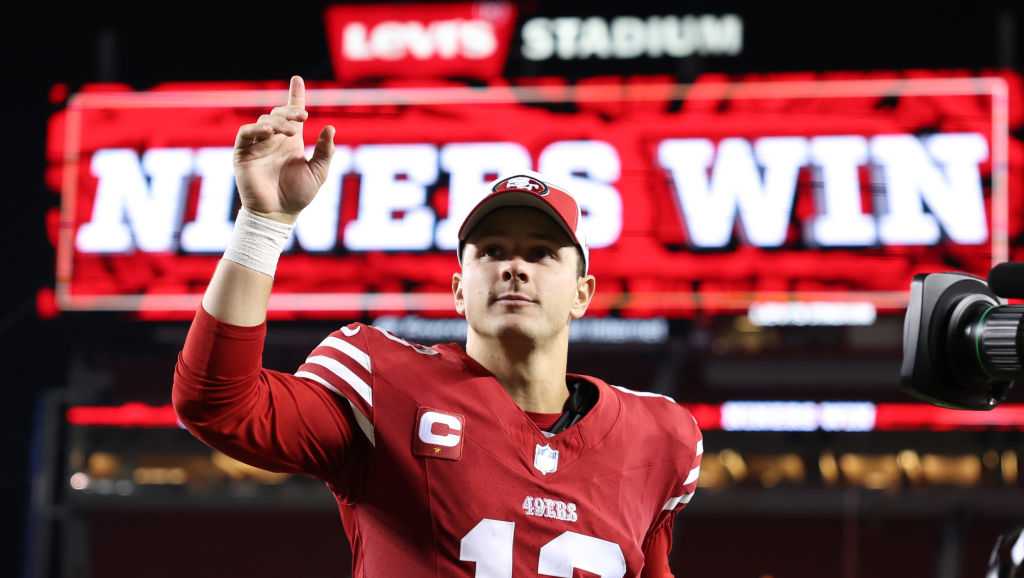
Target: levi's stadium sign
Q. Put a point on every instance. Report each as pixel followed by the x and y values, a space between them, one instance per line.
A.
pixel 707 196
pixel 473 40
pixel 419 40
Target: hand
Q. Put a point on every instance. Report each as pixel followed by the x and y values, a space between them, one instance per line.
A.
pixel 273 176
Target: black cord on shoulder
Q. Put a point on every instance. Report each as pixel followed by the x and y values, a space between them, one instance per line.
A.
pixel 582 397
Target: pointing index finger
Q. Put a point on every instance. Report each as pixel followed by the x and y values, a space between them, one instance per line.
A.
pixel 297 92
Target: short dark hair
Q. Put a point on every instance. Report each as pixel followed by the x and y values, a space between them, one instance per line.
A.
pixel 580 268
pixel 580 271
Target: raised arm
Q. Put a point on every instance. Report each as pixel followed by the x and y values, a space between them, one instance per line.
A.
pixel 275 182
pixel 221 392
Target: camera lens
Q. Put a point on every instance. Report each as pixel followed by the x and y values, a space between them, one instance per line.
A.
pixel 998 343
pixel 962 346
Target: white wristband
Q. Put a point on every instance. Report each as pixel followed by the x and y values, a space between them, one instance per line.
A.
pixel 257 242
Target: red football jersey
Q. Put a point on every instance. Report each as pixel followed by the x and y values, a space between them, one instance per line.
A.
pixel 450 478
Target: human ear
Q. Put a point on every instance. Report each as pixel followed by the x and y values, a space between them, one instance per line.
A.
pixel 585 288
pixel 460 302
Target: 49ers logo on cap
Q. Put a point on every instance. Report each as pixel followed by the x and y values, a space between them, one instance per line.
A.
pixel 522 183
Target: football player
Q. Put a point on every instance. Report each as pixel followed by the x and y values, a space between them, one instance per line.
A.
pixel 488 461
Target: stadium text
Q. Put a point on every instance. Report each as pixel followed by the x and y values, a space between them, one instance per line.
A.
pixel 624 37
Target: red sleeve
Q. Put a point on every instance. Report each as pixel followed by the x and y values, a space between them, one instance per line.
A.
pixel 268 419
pixel 657 548
pixel 658 543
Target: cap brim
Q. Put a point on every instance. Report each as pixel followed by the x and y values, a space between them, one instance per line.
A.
pixel 512 199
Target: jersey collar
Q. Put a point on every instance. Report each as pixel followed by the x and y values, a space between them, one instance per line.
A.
pixel 590 431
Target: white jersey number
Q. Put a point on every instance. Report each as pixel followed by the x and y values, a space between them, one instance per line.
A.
pixel 490 542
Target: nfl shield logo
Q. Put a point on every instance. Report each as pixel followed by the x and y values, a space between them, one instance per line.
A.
pixel 545 459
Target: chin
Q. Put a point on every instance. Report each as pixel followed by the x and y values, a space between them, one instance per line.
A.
pixel 514 331
pixel 513 327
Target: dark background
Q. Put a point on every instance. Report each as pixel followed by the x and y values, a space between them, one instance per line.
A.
pixel 156 42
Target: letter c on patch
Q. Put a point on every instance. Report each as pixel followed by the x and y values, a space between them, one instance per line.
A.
pixel 427 435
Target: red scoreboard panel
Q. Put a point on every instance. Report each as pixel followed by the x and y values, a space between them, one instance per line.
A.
pixel 713 196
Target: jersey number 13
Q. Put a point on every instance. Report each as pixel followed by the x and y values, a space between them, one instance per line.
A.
pixel 490 542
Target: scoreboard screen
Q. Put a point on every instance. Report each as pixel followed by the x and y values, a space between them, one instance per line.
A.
pixel 716 196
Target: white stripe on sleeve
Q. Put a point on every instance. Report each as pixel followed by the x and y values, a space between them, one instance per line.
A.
pixel 345 374
pixel 361 420
pixel 673 502
pixel 1017 552
pixel 353 352
pixel 694 474
pixel 642 393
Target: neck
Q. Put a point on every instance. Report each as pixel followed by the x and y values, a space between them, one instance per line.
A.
pixel 532 373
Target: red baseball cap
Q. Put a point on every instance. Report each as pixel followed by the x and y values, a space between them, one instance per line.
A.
pixel 531 190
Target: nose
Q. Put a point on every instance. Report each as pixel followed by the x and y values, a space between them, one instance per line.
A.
pixel 515 269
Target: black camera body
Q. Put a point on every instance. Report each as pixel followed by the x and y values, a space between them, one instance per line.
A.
pixel 961 343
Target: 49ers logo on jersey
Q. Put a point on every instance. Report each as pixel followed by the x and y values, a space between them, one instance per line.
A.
pixel 550 508
pixel 438 434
